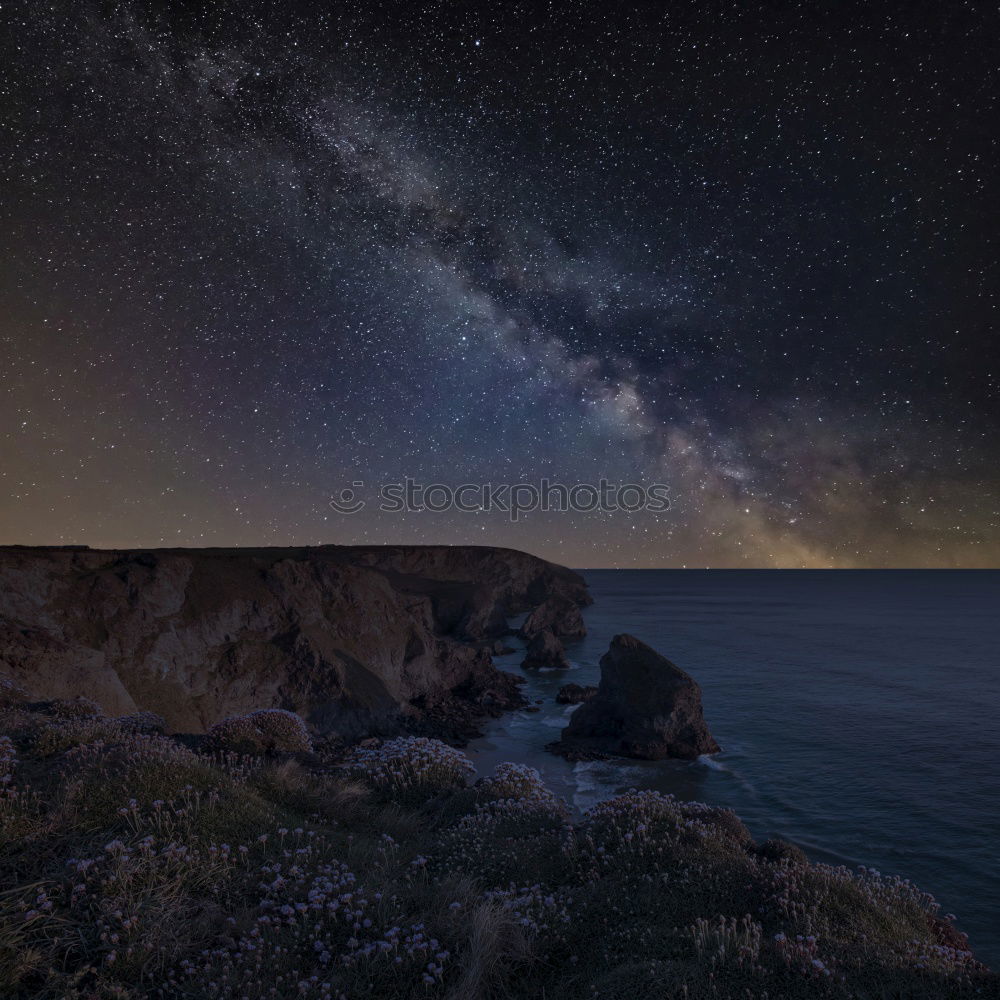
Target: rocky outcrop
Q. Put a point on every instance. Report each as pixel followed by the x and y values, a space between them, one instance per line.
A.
pixel 575 694
pixel 645 707
pixel 357 640
pixel 559 615
pixel 545 651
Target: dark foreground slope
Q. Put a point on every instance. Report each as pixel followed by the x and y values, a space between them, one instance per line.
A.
pixel 355 639
pixel 132 867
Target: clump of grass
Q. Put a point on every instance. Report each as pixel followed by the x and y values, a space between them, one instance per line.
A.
pixel 62 733
pixel 727 941
pixel 411 768
pixel 516 781
pixel 781 851
pixel 11 693
pixel 8 760
pixel 143 722
pixel 507 838
pixel 20 807
pixel 139 868
pixel 262 731
pixel 497 946
pixel 74 708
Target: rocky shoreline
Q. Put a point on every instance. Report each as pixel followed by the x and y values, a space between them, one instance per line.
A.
pixel 358 640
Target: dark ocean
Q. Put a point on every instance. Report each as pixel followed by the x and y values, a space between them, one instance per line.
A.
pixel 858 712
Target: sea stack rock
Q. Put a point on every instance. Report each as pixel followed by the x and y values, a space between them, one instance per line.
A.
pixel 558 614
pixel 645 707
pixel 575 694
pixel 545 651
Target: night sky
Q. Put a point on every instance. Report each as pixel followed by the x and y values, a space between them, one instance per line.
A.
pixel 252 253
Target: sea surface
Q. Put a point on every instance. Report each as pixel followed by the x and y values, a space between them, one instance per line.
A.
pixel 858 712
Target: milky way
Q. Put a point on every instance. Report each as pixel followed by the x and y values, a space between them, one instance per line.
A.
pixel 251 257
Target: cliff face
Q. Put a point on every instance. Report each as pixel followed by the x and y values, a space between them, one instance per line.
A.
pixel 355 639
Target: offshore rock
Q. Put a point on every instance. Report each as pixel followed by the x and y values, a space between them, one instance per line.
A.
pixel 545 651
pixel 645 707
pixel 575 694
pixel 357 640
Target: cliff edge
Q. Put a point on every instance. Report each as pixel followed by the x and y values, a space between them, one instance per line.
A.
pixel 356 639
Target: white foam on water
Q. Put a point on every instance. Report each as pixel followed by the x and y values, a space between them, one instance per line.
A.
pixel 717 765
pixel 597 780
pixel 589 790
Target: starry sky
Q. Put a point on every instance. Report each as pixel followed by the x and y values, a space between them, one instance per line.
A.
pixel 251 253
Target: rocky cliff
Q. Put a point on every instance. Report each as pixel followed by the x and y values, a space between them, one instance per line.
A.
pixel 355 639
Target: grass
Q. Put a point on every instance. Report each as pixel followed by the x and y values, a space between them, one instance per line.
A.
pixel 132 866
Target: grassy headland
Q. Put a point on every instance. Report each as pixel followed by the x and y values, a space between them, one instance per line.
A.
pixel 134 865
